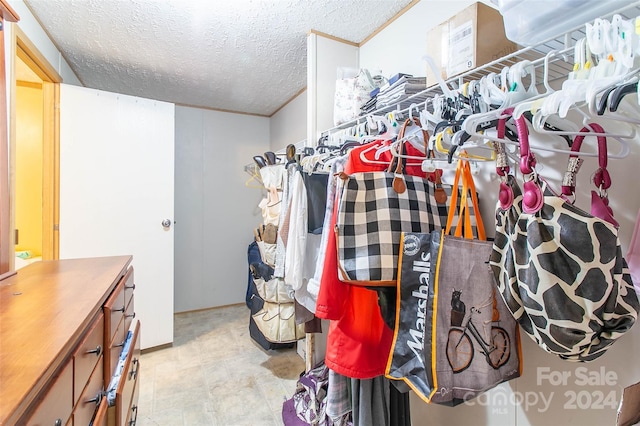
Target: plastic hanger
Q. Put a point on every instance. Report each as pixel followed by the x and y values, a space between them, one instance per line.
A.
pixel 472 122
pixel 446 91
pixel 577 93
pixel 476 121
pixel 574 88
pixel 429 119
pixel 517 91
pixel 379 147
pixel 460 148
pixel 389 134
pixel 430 165
pixel 620 92
pixel 613 43
pixel 388 145
pixel 255 181
pixel 624 150
pixel 590 104
pixel 476 103
pixel 490 92
pixel 533 103
pixel 627 39
pixel 599 108
pixel 347 146
pixel 458 139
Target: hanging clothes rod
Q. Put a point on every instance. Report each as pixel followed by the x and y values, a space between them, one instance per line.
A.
pixel 251 167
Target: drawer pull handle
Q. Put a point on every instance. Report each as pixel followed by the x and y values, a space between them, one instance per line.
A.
pixel 134 373
pixel 120 345
pixel 97 351
pixel 58 422
pixel 134 415
pixel 118 310
pixel 132 287
pixel 133 315
pixel 96 400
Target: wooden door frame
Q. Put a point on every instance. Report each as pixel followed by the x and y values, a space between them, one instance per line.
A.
pixel 7 14
pixel 30 55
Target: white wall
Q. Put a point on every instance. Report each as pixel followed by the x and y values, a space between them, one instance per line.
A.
pixel 529 400
pixel 400 46
pixel 324 56
pixel 30 26
pixel 289 125
pixel 215 212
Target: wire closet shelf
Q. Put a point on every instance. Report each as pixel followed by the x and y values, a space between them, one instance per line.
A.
pixel 558 67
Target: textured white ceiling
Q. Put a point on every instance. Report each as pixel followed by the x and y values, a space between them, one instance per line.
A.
pixel 239 55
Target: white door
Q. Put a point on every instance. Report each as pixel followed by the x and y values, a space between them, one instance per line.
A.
pixel 116 189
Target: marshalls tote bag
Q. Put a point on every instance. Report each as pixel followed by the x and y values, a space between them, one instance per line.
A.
pixel 472 342
pixel 454 339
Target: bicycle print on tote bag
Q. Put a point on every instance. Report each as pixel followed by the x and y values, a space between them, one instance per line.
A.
pixel 472 341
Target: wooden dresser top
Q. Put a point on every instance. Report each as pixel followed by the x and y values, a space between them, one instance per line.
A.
pixel 44 310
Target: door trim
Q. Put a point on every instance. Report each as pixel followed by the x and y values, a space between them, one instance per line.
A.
pixel 30 55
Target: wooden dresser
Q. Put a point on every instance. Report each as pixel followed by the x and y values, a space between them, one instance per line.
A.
pixel 62 327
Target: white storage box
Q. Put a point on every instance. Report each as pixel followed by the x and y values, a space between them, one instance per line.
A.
pixel 529 22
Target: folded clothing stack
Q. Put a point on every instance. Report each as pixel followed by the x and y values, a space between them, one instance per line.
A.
pixel 369 106
pixel 404 87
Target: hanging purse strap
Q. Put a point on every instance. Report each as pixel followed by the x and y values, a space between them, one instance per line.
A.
pixel 505 195
pixel 532 198
pixel 463 174
pixel 398 180
pixel 601 179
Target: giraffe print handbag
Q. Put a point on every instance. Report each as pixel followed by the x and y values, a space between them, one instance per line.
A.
pixel 560 269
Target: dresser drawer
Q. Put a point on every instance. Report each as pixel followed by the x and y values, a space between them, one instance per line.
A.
pixel 113 351
pixel 56 404
pixel 129 315
pixel 114 309
pixel 100 418
pixel 90 399
pixel 87 356
pixel 132 415
pixel 129 285
pixel 127 386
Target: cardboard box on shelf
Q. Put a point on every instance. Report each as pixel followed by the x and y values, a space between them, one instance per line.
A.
pixel 473 37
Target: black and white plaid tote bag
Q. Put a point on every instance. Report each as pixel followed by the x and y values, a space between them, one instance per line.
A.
pixel 374 209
